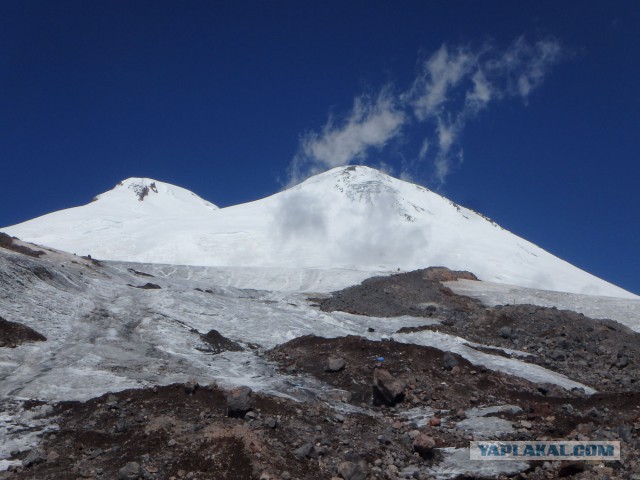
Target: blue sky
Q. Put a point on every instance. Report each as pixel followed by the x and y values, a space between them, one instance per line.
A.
pixel 528 112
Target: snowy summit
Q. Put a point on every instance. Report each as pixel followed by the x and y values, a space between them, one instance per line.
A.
pixel 348 217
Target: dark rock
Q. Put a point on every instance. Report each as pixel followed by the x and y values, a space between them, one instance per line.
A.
pixel 306 451
pixel 120 426
pixel 506 332
pixel 335 364
pixel 35 457
pixel 271 422
pixel 220 343
pixel 13 334
pixel 622 362
pixel 449 361
pixel 624 432
pixel 568 469
pixel 190 387
pixel 424 445
pixel 238 402
pixel 387 389
pixel 137 272
pixel 352 471
pixel 96 453
pixel 250 415
pixel 146 286
pixel 131 471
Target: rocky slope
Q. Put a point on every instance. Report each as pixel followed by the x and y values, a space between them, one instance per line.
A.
pixel 280 384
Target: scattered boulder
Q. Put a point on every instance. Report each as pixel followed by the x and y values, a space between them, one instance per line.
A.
pixel 449 361
pixel 219 343
pixel 131 471
pixel 190 387
pixel 424 445
pixel 352 471
pixel 387 389
pixel 35 457
pixel 435 421
pixel 335 364
pixel 239 402
pixel 308 450
pixel 623 361
pixel 568 469
pixel 506 332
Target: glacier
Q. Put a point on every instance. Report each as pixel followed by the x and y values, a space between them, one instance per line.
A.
pixel 352 218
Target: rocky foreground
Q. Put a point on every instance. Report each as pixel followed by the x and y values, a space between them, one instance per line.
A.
pixel 398 410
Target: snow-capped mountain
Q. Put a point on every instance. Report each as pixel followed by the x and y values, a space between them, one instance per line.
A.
pixel 354 217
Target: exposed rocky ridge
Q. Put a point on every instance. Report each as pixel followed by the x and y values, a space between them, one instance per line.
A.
pixel 7 242
pixel 13 334
pixel 603 354
pixel 423 367
pixel 419 293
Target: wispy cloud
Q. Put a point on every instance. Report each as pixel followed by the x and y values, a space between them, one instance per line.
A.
pixel 451 87
pixel 439 74
pixel 370 125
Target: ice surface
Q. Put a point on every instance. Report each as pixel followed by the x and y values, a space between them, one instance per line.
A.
pixel 21 429
pixel 419 415
pixel 104 335
pixel 457 463
pixel 481 423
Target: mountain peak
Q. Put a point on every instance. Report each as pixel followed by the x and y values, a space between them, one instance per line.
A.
pixel 140 186
pixel 150 191
pixel 352 217
pixel 350 173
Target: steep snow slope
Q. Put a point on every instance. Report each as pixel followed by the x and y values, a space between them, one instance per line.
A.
pixel 120 219
pixel 348 217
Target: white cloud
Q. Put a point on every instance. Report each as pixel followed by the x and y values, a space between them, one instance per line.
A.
pixel 523 66
pixel 451 87
pixel 424 149
pixel 446 136
pixel 440 73
pixel 371 124
pixel 481 94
